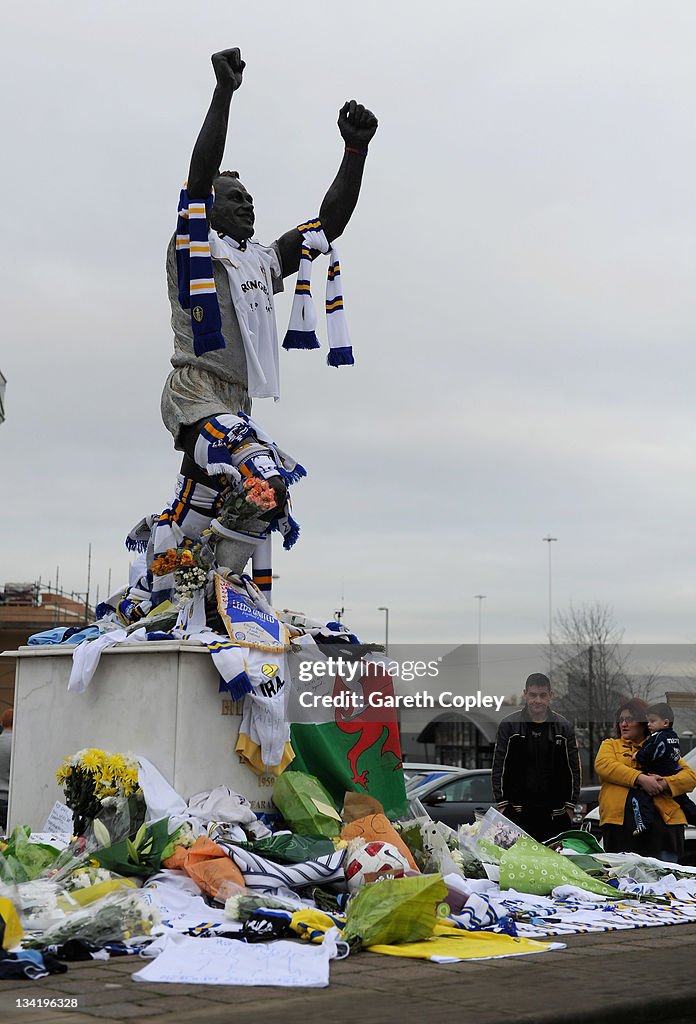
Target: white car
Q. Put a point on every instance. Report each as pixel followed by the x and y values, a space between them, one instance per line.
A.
pixel 591 821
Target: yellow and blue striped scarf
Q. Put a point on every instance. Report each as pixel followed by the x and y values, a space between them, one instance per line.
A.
pixel 301 331
pixel 195 273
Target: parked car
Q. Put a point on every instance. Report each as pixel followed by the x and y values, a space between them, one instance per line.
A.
pixel 417 774
pixel 587 801
pixel 456 798
pixel 456 795
pixel 591 821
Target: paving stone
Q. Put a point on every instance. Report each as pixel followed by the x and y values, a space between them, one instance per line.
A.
pixel 609 978
pixel 102 996
pixel 238 994
pixel 11 990
pixel 45 1016
pixel 121 1011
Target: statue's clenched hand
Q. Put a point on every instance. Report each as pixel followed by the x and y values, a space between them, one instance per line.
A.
pixel 356 124
pixel 229 67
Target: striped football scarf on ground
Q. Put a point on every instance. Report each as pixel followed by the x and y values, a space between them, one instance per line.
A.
pixel 260 873
pixel 196 284
pixel 301 331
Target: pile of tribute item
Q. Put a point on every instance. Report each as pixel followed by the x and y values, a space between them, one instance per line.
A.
pixel 270 661
pixel 212 894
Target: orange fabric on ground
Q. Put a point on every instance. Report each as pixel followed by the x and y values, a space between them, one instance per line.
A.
pixel 207 864
pixel 378 827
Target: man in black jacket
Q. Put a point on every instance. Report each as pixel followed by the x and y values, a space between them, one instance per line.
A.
pixel 536 765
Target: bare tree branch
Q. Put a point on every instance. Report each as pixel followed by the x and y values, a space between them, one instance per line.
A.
pixel 590 675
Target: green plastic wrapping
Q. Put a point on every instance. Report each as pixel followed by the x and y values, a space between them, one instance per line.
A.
pixel 305 805
pixel 142 858
pixel 21 860
pixel 117 917
pixel 530 867
pixel 394 910
pixel 577 840
pixel 290 847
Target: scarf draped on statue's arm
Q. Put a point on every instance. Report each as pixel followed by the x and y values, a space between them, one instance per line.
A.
pixel 301 331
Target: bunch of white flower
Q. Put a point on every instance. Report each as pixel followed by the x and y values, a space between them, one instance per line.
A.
pixel 187 581
pixel 89 875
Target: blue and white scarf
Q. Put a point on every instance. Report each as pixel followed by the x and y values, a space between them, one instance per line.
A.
pixel 236 447
pixel 260 873
pixel 301 331
pixel 195 273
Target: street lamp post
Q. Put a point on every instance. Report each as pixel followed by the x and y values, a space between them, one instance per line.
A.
pixel 550 541
pixel 480 598
pixel 386 628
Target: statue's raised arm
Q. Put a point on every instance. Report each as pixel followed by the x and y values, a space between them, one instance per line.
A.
pixel 357 126
pixel 210 144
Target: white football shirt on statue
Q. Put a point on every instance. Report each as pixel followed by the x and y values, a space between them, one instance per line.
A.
pixel 250 273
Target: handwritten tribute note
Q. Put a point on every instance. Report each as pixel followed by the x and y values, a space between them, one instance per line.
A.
pixel 219 961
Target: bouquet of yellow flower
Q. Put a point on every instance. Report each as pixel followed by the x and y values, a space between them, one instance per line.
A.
pixel 189 566
pixel 187 556
pixel 95 781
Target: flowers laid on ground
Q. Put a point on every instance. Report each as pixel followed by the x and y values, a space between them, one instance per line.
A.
pixel 97 784
pixel 117 917
pixel 22 860
pixel 490 836
pixel 144 854
pixel 88 875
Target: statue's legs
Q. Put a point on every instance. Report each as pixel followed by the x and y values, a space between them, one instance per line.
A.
pixel 231 553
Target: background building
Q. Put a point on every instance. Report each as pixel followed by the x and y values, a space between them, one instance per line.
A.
pixel 27 608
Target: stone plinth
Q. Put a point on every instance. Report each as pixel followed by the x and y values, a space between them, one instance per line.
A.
pixel 158 699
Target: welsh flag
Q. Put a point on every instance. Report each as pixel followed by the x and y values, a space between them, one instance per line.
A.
pixel 344 728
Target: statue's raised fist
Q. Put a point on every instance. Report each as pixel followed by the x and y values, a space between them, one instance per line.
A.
pixel 229 67
pixel 356 124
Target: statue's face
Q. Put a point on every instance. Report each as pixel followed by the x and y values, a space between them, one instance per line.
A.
pixel 233 209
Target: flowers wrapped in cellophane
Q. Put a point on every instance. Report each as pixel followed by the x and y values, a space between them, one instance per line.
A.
pixel 490 836
pixel 117 917
pixel 97 784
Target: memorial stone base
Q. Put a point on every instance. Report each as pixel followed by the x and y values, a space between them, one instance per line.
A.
pixel 159 700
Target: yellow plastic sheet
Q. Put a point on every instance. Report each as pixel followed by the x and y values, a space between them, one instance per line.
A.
pixel 95 892
pixel 463 945
pixel 12 933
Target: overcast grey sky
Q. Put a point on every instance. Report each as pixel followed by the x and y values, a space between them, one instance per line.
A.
pixel 518 279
